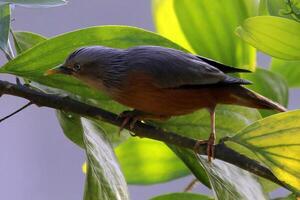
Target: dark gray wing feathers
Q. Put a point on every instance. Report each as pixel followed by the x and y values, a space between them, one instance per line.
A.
pixel 222 67
pixel 172 68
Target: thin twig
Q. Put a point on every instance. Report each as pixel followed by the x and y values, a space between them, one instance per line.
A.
pixel 222 152
pixel 191 185
pixel 17 111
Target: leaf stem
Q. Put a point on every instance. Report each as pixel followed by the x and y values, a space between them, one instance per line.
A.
pixel 191 185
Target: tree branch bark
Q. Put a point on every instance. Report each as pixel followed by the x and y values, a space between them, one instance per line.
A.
pixel 222 152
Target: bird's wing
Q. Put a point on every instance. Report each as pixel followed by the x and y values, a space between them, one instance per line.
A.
pixel 171 68
pixel 222 67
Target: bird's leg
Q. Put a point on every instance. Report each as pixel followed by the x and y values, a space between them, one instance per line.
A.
pixel 131 117
pixel 210 151
pixel 212 136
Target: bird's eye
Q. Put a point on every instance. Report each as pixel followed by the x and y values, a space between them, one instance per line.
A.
pixel 76 67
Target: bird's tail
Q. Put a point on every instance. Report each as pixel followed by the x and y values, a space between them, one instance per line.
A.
pixel 249 98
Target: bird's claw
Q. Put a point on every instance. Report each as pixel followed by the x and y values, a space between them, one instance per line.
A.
pixel 210 150
pixel 129 118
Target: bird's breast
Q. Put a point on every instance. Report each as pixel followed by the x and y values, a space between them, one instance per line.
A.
pixel 140 92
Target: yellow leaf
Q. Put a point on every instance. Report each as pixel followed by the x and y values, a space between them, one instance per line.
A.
pixel 276 142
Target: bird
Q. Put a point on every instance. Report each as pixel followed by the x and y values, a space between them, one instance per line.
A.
pixel 159 83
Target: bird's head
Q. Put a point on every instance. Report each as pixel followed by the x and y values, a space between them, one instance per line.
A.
pixel 77 63
pixel 87 63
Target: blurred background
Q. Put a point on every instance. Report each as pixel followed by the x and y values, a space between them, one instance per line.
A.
pixel 37 161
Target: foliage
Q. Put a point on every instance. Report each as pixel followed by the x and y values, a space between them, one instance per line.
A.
pixel 207 28
pixel 276 144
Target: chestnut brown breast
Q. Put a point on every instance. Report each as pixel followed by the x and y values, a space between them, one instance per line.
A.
pixel 141 93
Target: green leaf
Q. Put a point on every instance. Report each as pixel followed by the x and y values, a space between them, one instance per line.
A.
pixel 145 161
pixel 28 66
pixel 275 141
pixel 282 8
pixel 36 3
pixel 231 182
pixel 71 125
pixel 182 196
pixel 188 157
pixel 105 180
pixel 263 9
pixel 276 36
pixel 4 26
pixel 229 119
pixel 26 40
pixel 207 28
pixel 167 24
pixel 268 84
pixel 290 70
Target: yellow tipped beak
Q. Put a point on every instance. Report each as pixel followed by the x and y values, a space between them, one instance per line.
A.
pixel 58 70
pixel 51 72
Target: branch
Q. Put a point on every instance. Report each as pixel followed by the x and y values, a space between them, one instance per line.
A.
pixel 222 152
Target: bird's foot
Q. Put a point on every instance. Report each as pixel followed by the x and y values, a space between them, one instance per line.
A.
pixel 130 117
pixel 210 150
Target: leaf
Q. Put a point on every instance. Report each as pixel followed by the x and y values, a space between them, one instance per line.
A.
pixel 166 22
pixel 181 196
pixel 268 84
pixel 263 9
pixel 71 125
pixel 282 8
pixel 145 161
pixel 26 40
pixel 275 141
pixel 36 3
pixel 207 28
pixel 229 119
pixel 28 66
pixel 276 36
pixel 105 180
pixel 290 70
pixel 231 182
pixel 4 26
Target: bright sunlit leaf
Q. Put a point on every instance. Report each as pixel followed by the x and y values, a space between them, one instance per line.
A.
pixel 276 142
pixel 167 24
pixel 207 28
pixel 145 161
pixel 276 36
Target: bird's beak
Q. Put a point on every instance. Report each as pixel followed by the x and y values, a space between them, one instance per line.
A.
pixel 58 70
